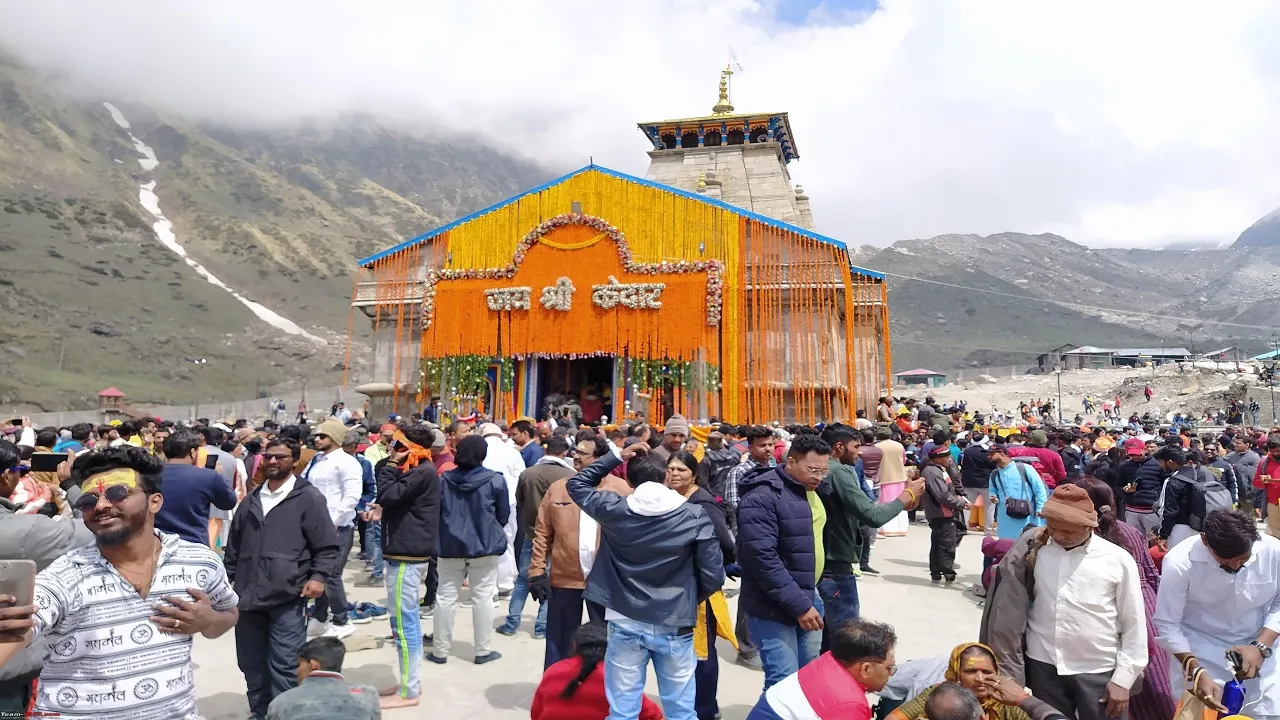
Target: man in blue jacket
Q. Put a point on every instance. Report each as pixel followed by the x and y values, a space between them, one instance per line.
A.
pixel 659 560
pixel 781 560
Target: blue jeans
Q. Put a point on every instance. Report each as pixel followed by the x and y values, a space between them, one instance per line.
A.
pixel 519 594
pixel 632 645
pixel 374 535
pixel 839 599
pixel 785 648
pixel 335 594
pixel 403 581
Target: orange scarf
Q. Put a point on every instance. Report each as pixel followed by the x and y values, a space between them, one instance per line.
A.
pixel 417 453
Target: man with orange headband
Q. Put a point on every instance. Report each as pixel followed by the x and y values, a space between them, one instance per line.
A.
pixel 409 498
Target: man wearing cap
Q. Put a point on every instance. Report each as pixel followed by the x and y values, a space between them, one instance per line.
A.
pixel 975 474
pixel 1126 475
pixel 674 435
pixel 1070 623
pixel 1013 483
pixel 944 506
pixel 340 478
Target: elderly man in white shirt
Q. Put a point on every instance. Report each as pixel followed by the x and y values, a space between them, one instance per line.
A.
pixel 503 457
pixel 340 478
pixel 1086 637
pixel 1219 592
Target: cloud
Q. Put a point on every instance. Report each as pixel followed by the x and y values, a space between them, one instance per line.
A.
pixel 1135 123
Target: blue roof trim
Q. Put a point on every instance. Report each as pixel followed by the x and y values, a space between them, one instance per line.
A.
pixel 467 218
pixel 639 181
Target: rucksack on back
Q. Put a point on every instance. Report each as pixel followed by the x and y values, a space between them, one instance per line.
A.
pixel 1207 494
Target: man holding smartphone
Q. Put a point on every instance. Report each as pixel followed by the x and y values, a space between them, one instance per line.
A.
pixel 119 615
pixel 1220 593
pixel 29 537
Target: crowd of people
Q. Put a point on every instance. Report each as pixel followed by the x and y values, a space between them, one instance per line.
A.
pixel 1118 561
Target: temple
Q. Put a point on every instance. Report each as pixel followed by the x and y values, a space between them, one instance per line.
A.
pixel 701 289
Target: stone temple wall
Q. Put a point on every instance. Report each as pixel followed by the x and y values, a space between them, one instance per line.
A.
pixel 752 177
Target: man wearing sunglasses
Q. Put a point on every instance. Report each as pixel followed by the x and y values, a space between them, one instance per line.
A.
pixel 1220 592
pixel 119 615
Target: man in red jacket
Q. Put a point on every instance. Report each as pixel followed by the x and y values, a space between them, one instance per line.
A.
pixel 1268 478
pixel 1047 462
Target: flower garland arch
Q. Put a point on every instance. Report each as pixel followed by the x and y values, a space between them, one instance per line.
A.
pixel 713 268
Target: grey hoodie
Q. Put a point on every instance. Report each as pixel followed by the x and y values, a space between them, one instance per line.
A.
pixel 42 539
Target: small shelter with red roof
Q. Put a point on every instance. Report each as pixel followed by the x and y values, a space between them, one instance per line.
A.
pixel 921 376
pixel 109 400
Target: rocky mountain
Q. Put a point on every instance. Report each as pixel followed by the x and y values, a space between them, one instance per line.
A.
pixel 1264 233
pixel 92 296
pixel 973 310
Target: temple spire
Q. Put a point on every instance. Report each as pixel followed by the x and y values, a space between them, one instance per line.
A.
pixel 723 106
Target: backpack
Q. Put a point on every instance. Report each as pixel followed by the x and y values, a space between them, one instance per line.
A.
pixel 1033 461
pixel 1207 494
pixel 1016 508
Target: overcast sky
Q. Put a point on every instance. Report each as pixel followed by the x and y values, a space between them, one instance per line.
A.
pixel 1110 122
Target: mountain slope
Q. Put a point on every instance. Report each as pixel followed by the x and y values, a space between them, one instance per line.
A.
pixel 92 298
pixel 944 324
pixel 1264 233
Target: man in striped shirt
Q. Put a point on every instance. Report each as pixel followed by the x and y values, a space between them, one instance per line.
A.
pixel 119 615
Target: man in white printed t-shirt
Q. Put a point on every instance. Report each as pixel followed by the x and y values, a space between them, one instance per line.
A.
pixel 119 615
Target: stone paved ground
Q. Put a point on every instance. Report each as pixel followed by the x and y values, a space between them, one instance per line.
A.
pixel 929 621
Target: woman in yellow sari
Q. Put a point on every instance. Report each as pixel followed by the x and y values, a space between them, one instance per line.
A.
pixel 973 666
pixel 682 476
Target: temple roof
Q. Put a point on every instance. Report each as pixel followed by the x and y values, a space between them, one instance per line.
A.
pixel 651 128
pixel 365 262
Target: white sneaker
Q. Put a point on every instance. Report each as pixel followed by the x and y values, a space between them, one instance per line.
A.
pixel 315 628
pixel 340 631
pixel 426 612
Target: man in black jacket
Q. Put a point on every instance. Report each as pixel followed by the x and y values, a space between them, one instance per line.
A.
pixel 409 501
pixel 281 549
pixel 975 477
pixel 659 560
pixel 1073 455
pixel 1141 496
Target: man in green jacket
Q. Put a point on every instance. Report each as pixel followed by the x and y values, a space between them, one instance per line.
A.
pixel 848 509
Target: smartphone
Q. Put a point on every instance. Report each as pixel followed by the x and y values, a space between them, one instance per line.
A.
pixel 47 461
pixel 18 578
pixel 211 462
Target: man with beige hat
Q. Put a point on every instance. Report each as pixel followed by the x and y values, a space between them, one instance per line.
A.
pixel 674 435
pixel 340 478
pixel 1072 600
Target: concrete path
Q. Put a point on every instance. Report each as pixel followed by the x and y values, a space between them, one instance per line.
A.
pixel 929 621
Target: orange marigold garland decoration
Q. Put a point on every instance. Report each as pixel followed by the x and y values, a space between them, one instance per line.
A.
pixel 560 298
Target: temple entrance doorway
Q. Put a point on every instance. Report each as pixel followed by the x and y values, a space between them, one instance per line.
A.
pixel 580 388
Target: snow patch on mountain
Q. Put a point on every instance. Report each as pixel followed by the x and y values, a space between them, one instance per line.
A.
pixel 163 229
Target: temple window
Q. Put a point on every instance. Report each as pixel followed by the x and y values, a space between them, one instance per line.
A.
pixel 711 138
pixel 735 136
pixel 689 139
pixel 759 134
pixel 669 141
